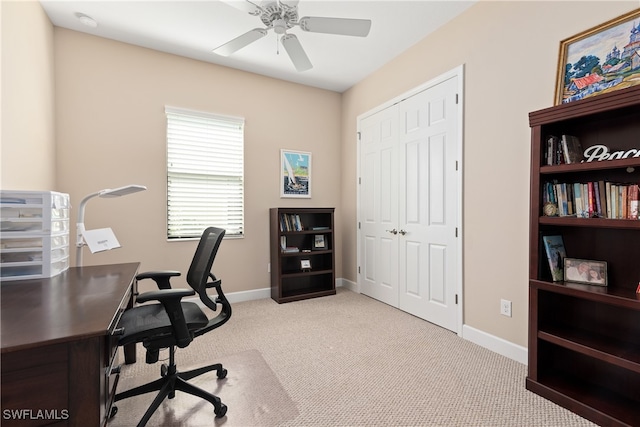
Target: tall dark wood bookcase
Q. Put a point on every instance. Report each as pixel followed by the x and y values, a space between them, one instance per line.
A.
pixel 584 340
pixel 302 253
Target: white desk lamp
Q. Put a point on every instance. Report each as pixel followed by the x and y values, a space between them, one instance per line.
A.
pixel 80 230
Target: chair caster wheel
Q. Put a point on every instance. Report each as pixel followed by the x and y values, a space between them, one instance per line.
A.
pixel 113 412
pixel 222 411
pixel 222 373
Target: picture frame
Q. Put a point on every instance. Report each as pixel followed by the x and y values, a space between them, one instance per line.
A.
pixel 599 60
pixel 585 271
pixel 295 174
pixel 319 242
pixel 305 264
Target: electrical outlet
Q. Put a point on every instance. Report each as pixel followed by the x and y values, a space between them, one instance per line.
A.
pixel 505 307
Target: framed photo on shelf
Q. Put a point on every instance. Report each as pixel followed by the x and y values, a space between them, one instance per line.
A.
pixel 585 271
pixel 319 242
pixel 599 60
pixel 305 264
pixel 295 174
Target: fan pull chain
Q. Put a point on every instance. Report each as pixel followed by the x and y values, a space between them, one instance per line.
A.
pixel 277 46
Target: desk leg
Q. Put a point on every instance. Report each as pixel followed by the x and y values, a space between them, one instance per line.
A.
pixel 130 349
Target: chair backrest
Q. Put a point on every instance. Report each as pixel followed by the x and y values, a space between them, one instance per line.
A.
pixel 200 268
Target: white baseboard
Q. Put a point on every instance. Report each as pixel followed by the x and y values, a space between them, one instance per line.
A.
pixel 251 295
pixel 255 294
pixel 348 284
pixel 495 344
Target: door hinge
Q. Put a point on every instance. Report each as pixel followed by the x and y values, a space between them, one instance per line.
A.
pixel 359 225
pixel 358 269
pixel 360 135
pixel 456 299
pixel 456 165
pixel 359 180
pixel 456 231
pixel 456 98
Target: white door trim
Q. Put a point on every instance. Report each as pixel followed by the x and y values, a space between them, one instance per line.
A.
pixel 459 72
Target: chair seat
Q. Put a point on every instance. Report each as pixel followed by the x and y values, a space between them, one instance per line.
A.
pixel 151 320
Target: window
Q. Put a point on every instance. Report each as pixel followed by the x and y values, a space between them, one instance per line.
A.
pixel 205 175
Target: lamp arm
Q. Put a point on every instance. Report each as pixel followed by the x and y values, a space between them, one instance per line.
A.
pixel 80 227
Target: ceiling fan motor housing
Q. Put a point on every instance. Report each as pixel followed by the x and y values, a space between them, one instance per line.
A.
pixel 279 16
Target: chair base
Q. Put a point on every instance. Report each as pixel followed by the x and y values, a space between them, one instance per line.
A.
pixel 172 381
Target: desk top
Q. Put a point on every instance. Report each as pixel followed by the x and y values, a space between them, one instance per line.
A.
pixel 78 303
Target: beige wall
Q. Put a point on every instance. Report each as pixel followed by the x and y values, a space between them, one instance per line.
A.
pixel 111 132
pixel 27 144
pixel 510 52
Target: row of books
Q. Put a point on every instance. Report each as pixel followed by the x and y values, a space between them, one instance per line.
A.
pixel 290 222
pixel 566 149
pixel 598 199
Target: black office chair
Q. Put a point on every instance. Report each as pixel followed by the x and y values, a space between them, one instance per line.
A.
pixel 173 322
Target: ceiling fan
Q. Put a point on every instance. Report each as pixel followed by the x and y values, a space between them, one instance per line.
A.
pixel 282 15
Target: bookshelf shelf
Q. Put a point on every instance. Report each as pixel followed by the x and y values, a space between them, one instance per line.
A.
pixel 584 340
pixel 590 222
pixel 300 231
pixel 592 166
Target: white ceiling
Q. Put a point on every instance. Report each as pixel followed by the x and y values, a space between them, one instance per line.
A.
pixel 194 28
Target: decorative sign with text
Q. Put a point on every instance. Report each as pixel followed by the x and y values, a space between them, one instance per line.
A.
pixel 599 153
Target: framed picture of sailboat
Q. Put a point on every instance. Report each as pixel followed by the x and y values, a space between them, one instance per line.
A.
pixel 295 174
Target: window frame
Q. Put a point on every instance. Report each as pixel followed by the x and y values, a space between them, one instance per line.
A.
pixel 172 120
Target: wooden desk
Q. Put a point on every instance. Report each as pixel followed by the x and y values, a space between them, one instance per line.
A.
pixel 59 353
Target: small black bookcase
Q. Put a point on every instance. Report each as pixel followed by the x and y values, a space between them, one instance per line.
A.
pixel 302 253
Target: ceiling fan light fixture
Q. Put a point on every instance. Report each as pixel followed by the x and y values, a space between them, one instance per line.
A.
pixel 279 26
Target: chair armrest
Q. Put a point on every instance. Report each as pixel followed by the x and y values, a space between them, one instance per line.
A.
pixel 171 301
pixel 160 277
pixel 165 295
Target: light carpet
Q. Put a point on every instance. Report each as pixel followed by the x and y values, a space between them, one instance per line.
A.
pixel 343 360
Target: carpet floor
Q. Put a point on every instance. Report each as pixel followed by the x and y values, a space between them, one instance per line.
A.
pixel 343 360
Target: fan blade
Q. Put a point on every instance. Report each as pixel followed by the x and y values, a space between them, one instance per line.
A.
pixel 289 3
pixel 341 26
pixel 244 5
pixel 296 52
pixel 240 42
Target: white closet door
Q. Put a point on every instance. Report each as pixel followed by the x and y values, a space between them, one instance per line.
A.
pixel 379 205
pixel 428 204
pixel 408 203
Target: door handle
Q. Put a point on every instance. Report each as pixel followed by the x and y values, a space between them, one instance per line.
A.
pixel 403 232
pixel 394 231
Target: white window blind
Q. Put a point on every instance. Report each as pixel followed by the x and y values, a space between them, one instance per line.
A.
pixel 205 173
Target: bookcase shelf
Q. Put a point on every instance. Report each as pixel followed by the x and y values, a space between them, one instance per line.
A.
pixel 297 235
pixel 584 340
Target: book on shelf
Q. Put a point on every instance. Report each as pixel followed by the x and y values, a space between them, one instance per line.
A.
pixel 290 222
pixel 572 149
pixel 634 195
pixel 287 249
pixel 552 148
pixel 577 193
pixel 554 248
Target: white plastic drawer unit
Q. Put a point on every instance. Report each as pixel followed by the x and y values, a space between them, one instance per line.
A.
pixel 34 211
pixel 34 234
